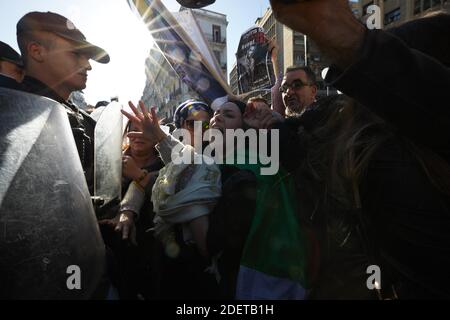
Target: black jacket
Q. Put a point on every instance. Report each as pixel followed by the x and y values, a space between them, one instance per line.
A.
pixel 10 83
pixel 404 220
pixel 229 225
pixel 82 125
pixel 404 86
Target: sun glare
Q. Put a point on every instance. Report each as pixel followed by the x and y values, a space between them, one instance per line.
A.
pixel 118 30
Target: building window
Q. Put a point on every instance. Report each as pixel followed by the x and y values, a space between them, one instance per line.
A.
pixel 417 6
pixel 217 54
pixel 392 16
pixel 298 58
pixel 426 4
pixel 298 41
pixel 436 3
pixel 216 33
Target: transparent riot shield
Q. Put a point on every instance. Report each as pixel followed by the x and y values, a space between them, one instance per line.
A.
pixel 108 154
pixel 50 244
pixel 97 113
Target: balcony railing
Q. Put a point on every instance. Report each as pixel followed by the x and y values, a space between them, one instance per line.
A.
pixel 210 38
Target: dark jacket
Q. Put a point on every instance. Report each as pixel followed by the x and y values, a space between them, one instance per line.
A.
pixel 402 225
pixel 229 225
pixel 404 86
pixel 81 123
pixel 10 83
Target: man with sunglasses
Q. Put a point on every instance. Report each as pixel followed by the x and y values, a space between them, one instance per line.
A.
pixel 298 89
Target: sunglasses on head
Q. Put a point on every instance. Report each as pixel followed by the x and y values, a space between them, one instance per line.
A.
pixel 190 124
pixel 294 85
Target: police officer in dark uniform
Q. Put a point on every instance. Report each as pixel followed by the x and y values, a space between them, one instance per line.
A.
pixel 56 59
pixel 11 67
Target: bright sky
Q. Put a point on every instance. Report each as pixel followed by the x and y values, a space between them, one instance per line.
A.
pixel 111 25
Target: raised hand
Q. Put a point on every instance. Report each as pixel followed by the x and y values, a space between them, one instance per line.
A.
pixel 258 115
pixel 123 223
pixel 147 123
pixel 305 15
pixel 273 49
pixel 130 169
pixel 330 23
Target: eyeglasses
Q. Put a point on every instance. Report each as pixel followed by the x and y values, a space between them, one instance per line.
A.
pixel 296 84
pixel 190 124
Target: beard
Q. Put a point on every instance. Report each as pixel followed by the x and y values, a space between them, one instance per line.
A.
pixel 293 108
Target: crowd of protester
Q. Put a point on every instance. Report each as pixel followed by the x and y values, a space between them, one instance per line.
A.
pixel 364 177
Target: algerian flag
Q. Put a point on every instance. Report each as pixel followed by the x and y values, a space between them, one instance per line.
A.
pixel 276 260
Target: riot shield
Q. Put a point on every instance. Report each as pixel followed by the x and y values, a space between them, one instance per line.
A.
pixel 50 244
pixel 97 113
pixel 108 154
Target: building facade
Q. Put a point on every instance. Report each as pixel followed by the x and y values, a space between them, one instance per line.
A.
pixel 234 79
pixel 294 49
pixel 214 28
pixel 163 88
pixel 395 12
